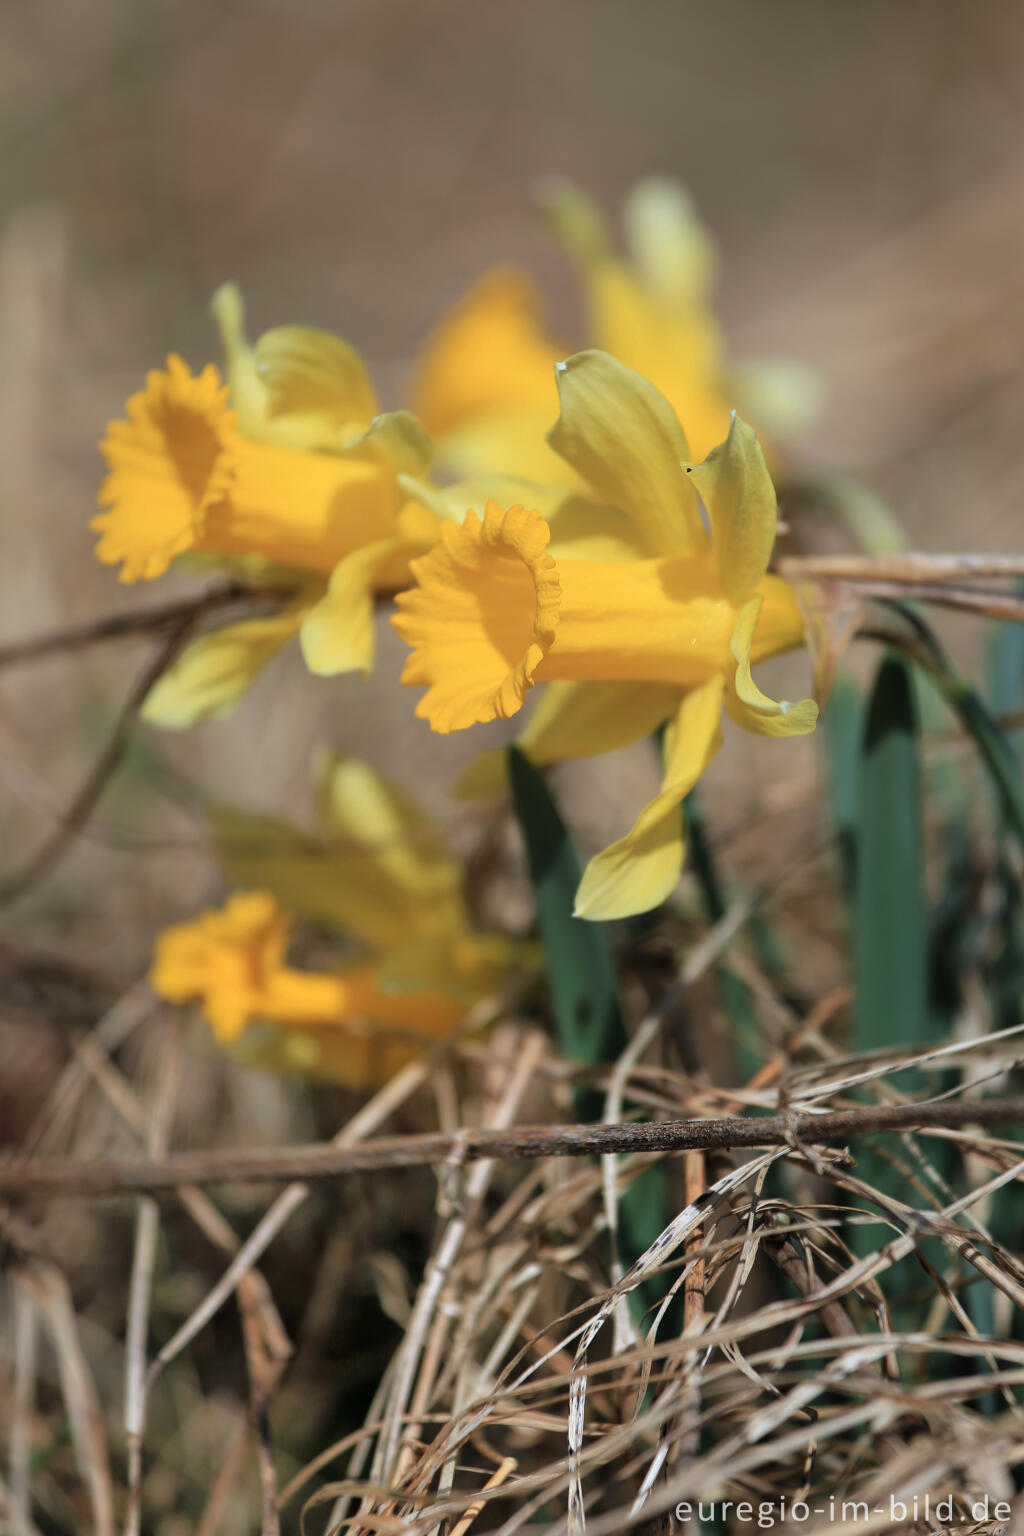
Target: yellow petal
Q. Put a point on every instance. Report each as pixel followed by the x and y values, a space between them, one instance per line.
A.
pixel 209 679
pixel 376 1034
pixel 248 393
pixel 746 704
pixel 298 387
pixel 488 356
pixel 509 440
pixel 222 959
pixel 652 316
pixel 672 249
pixel 397 441
pixel 337 632
pixel 621 435
pixel 482 618
pixel 737 490
pixel 641 869
pixel 363 810
pixel 581 529
pixel 312 374
pixel 573 720
pixel 341 885
pixel 171 462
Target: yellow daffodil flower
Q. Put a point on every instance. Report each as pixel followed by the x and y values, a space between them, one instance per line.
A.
pixel 338 1025
pixel 302 479
pixel 484 389
pixel 654 313
pixel 385 880
pixel 666 632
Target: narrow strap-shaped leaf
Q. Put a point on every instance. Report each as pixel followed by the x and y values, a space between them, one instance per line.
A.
pixel 581 973
pixel 975 716
pixel 583 988
pixel 891 915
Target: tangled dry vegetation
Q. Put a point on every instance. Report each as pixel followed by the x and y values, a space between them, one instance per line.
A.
pixel 759 1349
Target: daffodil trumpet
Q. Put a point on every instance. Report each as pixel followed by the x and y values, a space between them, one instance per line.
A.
pixel 669 632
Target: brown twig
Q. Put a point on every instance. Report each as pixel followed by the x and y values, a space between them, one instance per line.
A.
pixel 908 569
pixel 325 1161
pixel 82 806
pixel 139 621
pixel 981 601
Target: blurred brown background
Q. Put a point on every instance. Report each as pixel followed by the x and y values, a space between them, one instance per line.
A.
pixel 355 164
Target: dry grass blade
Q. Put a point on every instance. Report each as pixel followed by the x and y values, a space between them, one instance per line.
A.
pixel 147 1231
pixel 52 1296
pixel 25 1327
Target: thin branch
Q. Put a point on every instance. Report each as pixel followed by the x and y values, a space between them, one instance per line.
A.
pixel 324 1161
pixel 908 569
pixel 138 621
pixel 981 601
pixel 84 803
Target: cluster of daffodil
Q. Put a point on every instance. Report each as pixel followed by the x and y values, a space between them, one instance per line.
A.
pixel 378 876
pixel 601 524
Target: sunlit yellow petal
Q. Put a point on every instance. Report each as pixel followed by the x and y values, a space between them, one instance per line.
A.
pixel 172 461
pixel 640 870
pixel 782 625
pixel 653 317
pixel 737 490
pixel 489 355
pixel 482 617
pixel 307 510
pixel 209 679
pixel 746 704
pixel 397 441
pixel 509 440
pixel 337 632
pixel 312 374
pixel 621 435
pixel 572 720
pixel 248 393
pixel 297 387
pixel 581 529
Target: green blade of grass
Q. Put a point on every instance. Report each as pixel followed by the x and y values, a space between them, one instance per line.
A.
pixel 890 911
pixel 1006 968
pixel 975 716
pixel 841 735
pixel 582 981
pixel 583 987
pixel 733 990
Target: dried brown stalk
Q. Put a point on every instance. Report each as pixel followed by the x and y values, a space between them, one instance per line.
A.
pixel 46 1178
